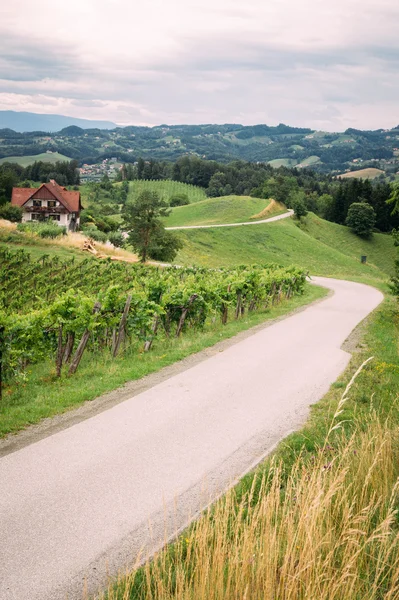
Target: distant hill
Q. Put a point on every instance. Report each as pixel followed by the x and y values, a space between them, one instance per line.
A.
pixel 280 146
pixel 27 121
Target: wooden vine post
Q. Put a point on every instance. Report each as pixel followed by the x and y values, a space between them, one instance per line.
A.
pixel 69 347
pixel 184 314
pixel 82 345
pixel 60 353
pixel 122 325
pixel 2 338
pixel 154 329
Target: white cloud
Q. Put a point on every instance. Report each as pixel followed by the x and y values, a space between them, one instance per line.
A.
pixel 307 62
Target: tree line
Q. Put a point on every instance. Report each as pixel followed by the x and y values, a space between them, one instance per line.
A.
pixel 328 197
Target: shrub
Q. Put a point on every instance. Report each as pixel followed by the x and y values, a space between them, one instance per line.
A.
pixel 11 213
pixel 49 230
pixel 164 245
pixel 43 230
pixel 95 234
pixel 179 200
pixel 361 219
pixel 116 238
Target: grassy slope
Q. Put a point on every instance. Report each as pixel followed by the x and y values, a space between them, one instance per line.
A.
pixel 25 161
pixel 322 247
pixel 370 173
pixel 213 211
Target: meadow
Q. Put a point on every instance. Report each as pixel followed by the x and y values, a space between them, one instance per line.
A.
pixel 321 247
pixel 25 161
pixel 370 173
pixel 225 209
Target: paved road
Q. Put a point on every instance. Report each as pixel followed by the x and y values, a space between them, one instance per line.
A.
pixel 83 500
pixel 289 213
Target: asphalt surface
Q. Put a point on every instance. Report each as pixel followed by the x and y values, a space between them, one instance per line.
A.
pixel 81 503
pixel 285 215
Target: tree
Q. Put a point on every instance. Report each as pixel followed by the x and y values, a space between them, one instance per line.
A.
pixel 164 245
pixel 361 219
pixel 298 205
pixel 142 221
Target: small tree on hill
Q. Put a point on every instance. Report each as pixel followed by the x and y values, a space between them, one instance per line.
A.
pixel 146 232
pixel 361 219
pixel 297 201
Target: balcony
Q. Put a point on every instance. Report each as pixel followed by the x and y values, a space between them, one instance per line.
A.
pixel 60 210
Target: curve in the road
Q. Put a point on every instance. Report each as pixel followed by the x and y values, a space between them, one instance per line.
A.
pixel 83 501
pixel 285 215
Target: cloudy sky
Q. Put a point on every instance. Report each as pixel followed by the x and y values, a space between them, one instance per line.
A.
pixel 325 64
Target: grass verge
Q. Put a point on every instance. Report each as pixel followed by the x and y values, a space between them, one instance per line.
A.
pixel 319 518
pixel 43 395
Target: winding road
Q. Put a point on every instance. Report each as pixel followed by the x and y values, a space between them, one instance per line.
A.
pixel 285 215
pixel 82 502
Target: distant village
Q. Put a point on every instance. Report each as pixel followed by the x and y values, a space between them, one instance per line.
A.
pixel 108 166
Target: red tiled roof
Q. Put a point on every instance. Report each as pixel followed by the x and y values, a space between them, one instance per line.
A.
pixel 71 200
pixel 21 195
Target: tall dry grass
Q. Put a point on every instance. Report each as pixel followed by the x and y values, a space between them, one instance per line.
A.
pixel 327 531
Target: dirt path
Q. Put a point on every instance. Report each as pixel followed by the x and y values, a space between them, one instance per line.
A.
pixel 82 502
pixel 289 213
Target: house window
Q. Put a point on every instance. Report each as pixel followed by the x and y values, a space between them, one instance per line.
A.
pixel 54 217
pixel 35 217
pixel 51 204
pixel 37 202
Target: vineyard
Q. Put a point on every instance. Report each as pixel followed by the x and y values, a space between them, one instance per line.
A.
pixel 59 310
pixel 167 188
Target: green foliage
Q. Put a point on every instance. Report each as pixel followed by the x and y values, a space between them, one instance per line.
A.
pixel 297 201
pixel 142 221
pixel 43 230
pixel 95 234
pixel 361 219
pixel 179 200
pixel 61 296
pixel 164 245
pixel 116 238
pixel 11 213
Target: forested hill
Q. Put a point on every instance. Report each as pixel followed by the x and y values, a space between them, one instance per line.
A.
pixel 280 146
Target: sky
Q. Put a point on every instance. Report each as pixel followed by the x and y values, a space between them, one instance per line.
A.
pixel 313 63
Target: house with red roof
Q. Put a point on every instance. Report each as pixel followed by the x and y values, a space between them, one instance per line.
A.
pixel 49 202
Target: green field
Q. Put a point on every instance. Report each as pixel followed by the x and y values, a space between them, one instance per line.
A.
pixel 322 247
pixel 310 160
pixel 369 173
pixel 213 211
pixel 283 162
pixel 25 161
pixel 166 189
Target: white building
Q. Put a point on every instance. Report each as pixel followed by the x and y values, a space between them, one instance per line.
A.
pixel 49 202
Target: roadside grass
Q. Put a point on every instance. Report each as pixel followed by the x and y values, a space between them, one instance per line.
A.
pixel 43 395
pixel 216 211
pixel 319 518
pixel 322 247
pixel 166 188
